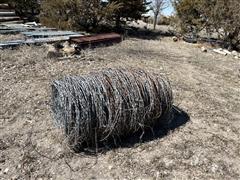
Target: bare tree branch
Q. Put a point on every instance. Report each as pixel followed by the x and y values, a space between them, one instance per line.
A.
pixel 157 6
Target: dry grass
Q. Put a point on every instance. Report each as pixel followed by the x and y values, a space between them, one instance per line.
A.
pixel 206 86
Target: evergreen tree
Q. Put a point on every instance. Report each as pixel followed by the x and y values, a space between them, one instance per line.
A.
pixel 129 10
pixel 189 14
pixel 221 16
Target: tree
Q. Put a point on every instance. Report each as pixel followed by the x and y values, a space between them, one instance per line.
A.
pixel 221 16
pixel 87 15
pixel 189 14
pixel 157 6
pixel 224 17
pixel 76 14
pixel 129 10
pixel 56 13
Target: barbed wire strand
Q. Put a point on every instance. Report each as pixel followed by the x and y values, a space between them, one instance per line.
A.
pixel 110 103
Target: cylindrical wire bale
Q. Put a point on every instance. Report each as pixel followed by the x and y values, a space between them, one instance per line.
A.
pixel 110 103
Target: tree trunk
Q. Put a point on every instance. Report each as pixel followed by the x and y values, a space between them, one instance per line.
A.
pixel 155 22
pixel 118 22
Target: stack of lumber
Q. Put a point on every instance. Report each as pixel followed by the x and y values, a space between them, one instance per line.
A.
pixel 18 28
pixel 40 37
pixel 46 34
pixel 8 14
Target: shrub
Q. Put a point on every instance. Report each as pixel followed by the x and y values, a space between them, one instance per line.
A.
pixel 26 9
pixel 76 14
pixel 89 15
pixel 164 20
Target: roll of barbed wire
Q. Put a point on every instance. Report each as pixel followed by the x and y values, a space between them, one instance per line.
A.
pixel 111 103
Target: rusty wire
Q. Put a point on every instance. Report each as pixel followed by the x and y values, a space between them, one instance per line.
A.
pixel 109 103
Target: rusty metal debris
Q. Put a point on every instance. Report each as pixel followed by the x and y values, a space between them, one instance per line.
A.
pixel 94 40
pixel 109 104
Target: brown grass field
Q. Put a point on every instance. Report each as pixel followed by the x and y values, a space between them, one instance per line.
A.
pixel 206 86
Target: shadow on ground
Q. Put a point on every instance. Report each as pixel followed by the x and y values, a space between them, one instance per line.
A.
pixel 179 118
pixel 160 130
pixel 147 34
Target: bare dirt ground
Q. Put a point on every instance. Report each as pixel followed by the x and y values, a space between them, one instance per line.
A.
pixel 205 85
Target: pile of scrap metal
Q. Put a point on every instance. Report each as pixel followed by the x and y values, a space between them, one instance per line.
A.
pixel 41 35
pixel 36 34
pixel 33 33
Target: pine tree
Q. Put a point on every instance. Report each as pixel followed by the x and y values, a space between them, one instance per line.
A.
pixel 130 10
pixel 189 14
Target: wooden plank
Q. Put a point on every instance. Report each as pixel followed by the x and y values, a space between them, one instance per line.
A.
pixel 26 26
pixel 41 34
pixel 98 37
pixel 8 44
pixel 10 22
pixel 3 27
pixel 15 43
pixel 51 39
pixel 10 31
pixel 6 30
pixel 4 6
pixel 31 24
pixel 47 40
pixel 16 26
pixel 7 14
pixel 42 29
pixel 7 10
pixel 4 19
